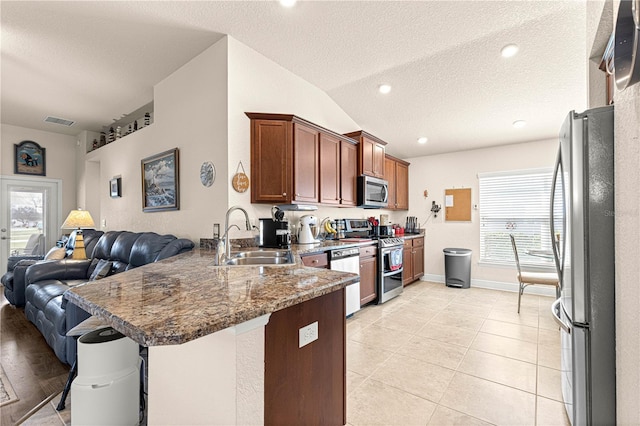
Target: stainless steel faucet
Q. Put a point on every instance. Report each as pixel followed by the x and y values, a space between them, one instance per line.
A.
pixel 225 237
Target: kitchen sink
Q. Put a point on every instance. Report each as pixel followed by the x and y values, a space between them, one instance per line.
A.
pixel 261 257
pixel 262 253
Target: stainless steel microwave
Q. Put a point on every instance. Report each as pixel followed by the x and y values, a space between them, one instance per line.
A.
pixel 373 193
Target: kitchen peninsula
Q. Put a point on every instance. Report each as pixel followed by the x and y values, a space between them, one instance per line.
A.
pixel 223 340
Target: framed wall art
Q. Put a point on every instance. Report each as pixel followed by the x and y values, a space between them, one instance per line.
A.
pixel 115 187
pixel 29 159
pixel 160 182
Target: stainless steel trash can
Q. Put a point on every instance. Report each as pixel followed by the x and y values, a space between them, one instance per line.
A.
pixel 457 267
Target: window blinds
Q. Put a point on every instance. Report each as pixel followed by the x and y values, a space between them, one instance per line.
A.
pixel 515 203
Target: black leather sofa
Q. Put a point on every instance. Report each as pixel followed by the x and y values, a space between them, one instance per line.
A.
pixel 46 282
pixel 14 279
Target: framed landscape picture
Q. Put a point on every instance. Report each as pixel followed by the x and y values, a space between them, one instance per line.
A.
pixel 160 182
pixel 29 159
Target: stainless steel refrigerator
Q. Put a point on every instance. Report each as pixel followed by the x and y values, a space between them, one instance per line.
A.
pixel 582 218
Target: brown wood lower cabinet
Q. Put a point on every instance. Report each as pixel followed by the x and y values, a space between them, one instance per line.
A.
pixel 305 386
pixel 368 274
pixel 412 260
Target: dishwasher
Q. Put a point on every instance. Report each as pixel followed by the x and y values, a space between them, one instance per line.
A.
pixel 348 260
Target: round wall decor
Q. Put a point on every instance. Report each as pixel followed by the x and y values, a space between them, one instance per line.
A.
pixel 207 173
pixel 240 181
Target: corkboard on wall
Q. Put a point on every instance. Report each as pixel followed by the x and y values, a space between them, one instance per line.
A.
pixel 458 205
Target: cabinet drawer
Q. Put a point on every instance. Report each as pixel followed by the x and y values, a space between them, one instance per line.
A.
pixel 408 243
pixel 418 242
pixel 319 260
pixel 368 251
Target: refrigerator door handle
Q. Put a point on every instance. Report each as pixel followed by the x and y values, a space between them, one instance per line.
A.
pixel 554 247
pixel 555 311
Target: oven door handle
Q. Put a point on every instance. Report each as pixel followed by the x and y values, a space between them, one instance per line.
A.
pixel 389 273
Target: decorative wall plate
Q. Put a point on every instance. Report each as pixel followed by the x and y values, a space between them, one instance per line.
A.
pixel 207 173
pixel 240 181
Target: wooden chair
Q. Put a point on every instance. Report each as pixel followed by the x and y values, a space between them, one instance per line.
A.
pixel 533 278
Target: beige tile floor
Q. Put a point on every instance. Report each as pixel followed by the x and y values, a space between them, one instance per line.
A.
pixel 446 356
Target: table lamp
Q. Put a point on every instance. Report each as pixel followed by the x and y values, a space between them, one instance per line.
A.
pixel 77 220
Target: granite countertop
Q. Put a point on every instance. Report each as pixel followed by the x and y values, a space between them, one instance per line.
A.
pixel 188 296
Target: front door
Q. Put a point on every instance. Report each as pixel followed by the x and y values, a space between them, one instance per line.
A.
pixel 30 216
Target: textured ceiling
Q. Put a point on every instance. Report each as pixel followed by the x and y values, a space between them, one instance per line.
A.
pixel 92 62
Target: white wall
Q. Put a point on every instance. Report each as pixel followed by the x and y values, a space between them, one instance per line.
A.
pixel 190 113
pixel 60 159
pixel 436 173
pixel 627 178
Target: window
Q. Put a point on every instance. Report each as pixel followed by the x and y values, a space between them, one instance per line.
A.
pixel 517 203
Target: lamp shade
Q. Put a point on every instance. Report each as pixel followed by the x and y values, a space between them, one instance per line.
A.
pixel 78 219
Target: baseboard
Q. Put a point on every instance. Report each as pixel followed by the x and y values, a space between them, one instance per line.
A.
pixel 497 285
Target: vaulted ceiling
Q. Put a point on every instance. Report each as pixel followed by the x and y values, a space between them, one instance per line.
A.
pixel 92 62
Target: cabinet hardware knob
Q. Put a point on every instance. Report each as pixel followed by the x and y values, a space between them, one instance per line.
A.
pixel 314 261
pixel 284 194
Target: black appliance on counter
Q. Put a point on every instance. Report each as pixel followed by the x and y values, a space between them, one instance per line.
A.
pixel 274 234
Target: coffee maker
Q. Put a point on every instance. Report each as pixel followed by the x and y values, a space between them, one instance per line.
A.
pixel 274 234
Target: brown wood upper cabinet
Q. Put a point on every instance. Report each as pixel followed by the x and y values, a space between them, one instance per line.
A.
pixel 294 160
pixel 396 172
pixel 370 153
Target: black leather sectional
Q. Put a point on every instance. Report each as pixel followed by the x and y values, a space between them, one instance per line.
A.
pixel 46 282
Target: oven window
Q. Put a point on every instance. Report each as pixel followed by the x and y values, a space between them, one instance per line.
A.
pixel 391 282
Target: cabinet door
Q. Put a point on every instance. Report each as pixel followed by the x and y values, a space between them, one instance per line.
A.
pixel 418 257
pixel 348 173
pixel 402 186
pixel 407 264
pixel 418 262
pixel 378 160
pixel 306 386
pixel 305 164
pixel 367 279
pixel 366 156
pixel 270 161
pixel 329 169
pixel 390 177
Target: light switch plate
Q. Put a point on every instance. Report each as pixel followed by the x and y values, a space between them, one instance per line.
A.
pixel 308 334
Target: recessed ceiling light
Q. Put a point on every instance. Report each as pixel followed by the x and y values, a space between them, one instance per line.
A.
pixel 422 140
pixel 509 50
pixel 288 3
pixel 519 124
pixel 384 88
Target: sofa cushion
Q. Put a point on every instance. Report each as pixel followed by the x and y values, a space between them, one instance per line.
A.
pixel 147 248
pixel 102 249
pixel 40 293
pixel 56 253
pixel 102 269
pixel 56 315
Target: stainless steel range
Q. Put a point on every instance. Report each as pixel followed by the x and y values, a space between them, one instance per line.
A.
pixel 389 268
pixel 389 277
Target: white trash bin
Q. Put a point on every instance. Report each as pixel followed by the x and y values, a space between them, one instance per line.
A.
pixel 107 388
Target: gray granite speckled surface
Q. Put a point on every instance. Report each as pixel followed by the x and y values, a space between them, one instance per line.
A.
pixel 188 296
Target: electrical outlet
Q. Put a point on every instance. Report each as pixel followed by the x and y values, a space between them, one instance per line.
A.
pixel 308 334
